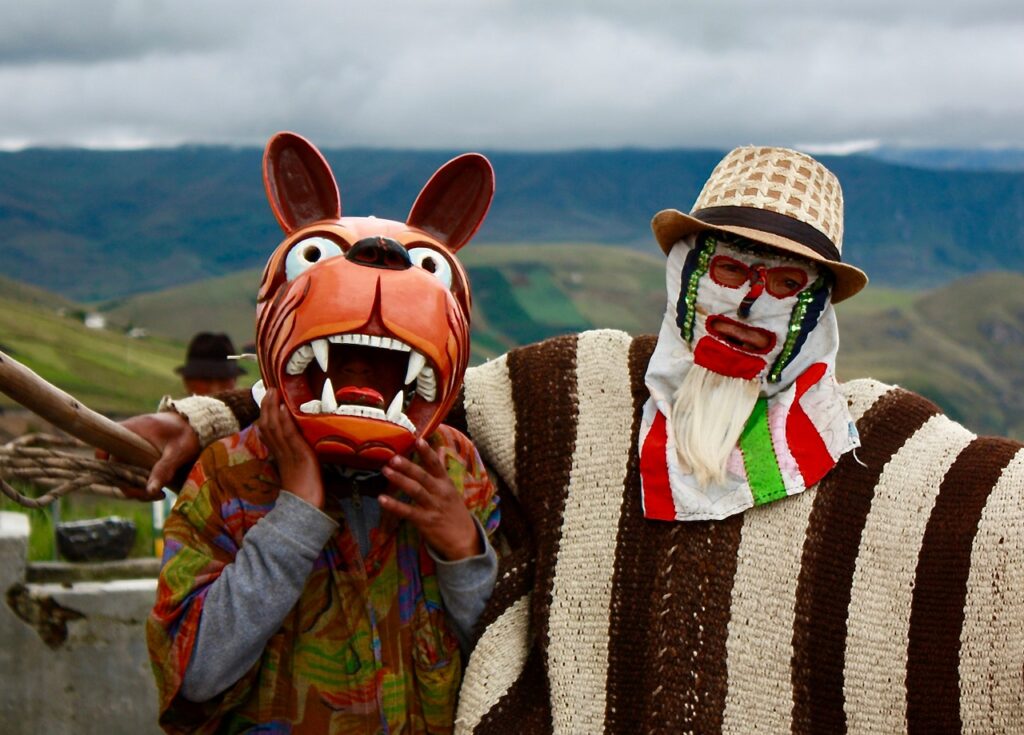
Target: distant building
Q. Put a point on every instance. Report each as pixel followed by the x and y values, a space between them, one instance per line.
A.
pixel 138 333
pixel 95 321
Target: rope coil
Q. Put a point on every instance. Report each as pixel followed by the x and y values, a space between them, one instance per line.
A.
pixel 61 466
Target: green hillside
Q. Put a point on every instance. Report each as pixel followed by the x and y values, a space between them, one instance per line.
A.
pixel 526 293
pixel 960 345
pixel 105 369
pixel 224 304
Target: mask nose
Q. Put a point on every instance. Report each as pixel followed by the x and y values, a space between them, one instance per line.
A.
pixel 379 252
pixel 758 277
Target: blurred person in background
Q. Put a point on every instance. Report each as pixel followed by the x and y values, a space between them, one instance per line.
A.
pixel 211 366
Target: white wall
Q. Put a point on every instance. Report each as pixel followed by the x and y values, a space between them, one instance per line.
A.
pixel 97 679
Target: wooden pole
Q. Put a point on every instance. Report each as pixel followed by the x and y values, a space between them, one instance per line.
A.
pixel 68 413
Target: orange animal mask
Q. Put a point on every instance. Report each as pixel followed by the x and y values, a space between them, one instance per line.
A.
pixel 363 323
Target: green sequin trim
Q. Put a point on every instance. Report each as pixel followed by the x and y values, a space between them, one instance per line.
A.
pixel 707 249
pixel 796 325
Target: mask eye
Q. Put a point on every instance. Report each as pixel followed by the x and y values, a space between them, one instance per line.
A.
pixel 307 253
pixel 432 262
pixel 726 271
pixel 784 282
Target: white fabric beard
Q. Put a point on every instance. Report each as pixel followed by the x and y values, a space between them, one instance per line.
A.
pixel 709 412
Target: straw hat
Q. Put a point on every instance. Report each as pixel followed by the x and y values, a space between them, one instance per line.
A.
pixel 774 196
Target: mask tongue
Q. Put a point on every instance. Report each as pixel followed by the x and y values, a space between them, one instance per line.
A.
pixel 359 396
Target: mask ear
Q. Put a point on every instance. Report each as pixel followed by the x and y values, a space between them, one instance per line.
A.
pixel 299 183
pixel 455 201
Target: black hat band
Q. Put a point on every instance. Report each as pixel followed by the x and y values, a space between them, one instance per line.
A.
pixel 777 224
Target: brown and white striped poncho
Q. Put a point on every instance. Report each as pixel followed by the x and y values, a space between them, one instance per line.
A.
pixel 888 599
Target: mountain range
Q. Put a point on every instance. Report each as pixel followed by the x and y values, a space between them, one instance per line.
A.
pixel 98 225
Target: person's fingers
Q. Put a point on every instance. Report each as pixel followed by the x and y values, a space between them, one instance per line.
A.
pixel 267 408
pixel 161 475
pixel 142 494
pixel 135 493
pixel 287 427
pixel 289 436
pixel 432 463
pixel 270 420
pixel 406 467
pixel 398 508
pixel 409 485
pixel 279 423
pixel 269 399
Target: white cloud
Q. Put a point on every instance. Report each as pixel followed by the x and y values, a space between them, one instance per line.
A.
pixel 521 74
pixel 840 148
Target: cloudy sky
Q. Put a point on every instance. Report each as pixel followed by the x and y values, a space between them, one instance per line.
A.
pixel 513 74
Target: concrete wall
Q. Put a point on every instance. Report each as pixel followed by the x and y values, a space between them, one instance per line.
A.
pixel 73 656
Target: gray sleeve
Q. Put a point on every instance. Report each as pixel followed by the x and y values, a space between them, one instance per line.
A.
pixel 466 586
pixel 248 601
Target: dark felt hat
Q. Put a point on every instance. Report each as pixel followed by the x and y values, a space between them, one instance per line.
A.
pixel 207 357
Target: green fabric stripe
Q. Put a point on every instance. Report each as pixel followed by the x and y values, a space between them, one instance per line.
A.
pixel 763 472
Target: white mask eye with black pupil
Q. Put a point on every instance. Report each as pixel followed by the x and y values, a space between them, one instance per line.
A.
pixel 432 262
pixel 307 253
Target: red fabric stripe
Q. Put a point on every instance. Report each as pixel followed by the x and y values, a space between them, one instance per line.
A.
pixel 805 443
pixel 657 492
pixel 808 378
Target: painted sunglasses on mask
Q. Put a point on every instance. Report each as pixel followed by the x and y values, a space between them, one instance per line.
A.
pixel 781 282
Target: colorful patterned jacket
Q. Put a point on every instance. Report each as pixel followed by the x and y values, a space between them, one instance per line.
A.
pixel 367 648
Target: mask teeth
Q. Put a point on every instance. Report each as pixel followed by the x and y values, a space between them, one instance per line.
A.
pixel 395 409
pixel 422 375
pixel 426 384
pixel 319 349
pixel 393 415
pixel 416 364
pixel 300 360
pixel 417 372
pixel 327 400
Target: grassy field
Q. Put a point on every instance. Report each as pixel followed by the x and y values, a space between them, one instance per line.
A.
pixel 106 370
